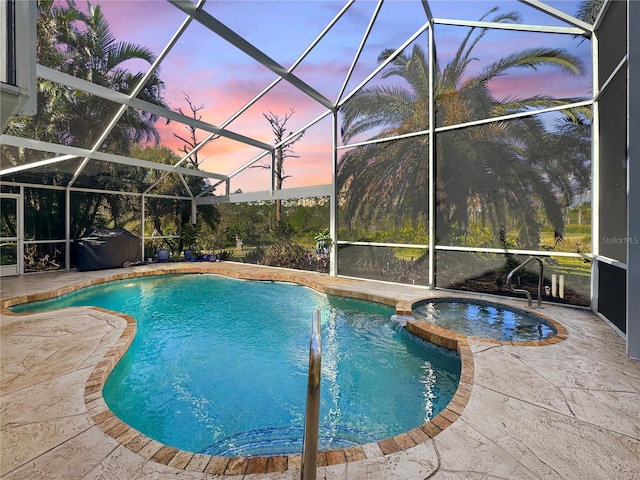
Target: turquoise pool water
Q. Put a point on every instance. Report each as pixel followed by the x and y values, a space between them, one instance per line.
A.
pixel 219 365
pixel 484 319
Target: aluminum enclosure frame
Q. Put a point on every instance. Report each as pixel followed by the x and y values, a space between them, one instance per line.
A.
pixel 195 12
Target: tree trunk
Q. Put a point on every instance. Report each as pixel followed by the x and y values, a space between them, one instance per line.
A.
pixel 580 214
pixel 279 179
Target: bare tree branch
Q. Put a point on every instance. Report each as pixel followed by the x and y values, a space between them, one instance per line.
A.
pixel 192 142
pixel 283 151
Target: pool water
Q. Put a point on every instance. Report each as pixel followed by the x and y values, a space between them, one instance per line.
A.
pixel 484 319
pixel 219 365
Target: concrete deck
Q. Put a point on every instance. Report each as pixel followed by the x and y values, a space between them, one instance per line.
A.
pixel 568 409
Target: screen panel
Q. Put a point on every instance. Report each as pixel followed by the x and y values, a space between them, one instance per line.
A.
pixel 613 170
pixel 612 294
pixel 482 272
pixel 612 40
pixel 392 264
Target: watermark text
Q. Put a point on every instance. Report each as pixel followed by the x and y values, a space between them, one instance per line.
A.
pixel 620 240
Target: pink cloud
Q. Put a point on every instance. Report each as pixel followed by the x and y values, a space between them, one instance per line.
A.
pixel 145 22
pixel 222 80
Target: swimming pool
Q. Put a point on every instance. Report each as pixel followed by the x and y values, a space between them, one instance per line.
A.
pixel 484 319
pixel 243 391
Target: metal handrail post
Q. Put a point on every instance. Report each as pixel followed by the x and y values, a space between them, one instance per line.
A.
pixel 309 465
pixel 540 281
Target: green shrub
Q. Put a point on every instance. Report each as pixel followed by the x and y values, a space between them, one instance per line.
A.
pixel 224 255
pixel 285 253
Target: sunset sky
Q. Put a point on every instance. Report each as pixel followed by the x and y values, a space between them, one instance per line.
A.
pixel 222 79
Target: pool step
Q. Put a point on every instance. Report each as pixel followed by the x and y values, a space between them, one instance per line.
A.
pixel 283 441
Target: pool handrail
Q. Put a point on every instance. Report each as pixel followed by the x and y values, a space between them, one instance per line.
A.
pixel 522 290
pixel 309 463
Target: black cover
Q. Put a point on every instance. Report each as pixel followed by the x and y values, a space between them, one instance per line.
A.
pixel 101 248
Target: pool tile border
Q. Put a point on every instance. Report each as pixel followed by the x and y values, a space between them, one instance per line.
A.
pixel 155 451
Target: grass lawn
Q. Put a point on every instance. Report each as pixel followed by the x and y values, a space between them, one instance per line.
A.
pixel 569 243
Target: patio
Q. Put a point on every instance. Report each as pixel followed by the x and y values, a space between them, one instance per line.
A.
pixel 564 410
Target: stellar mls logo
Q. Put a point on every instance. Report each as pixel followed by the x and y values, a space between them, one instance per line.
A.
pixel 620 240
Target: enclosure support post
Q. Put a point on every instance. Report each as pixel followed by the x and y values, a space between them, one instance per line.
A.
pixel 633 188
pixel 431 160
pixel 142 217
pixel 21 237
pixel 67 228
pixel 595 173
pixel 333 203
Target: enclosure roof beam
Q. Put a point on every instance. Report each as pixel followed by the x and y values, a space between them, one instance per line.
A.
pixel 510 26
pixel 121 98
pixel 603 11
pixel 356 57
pixel 269 87
pixel 133 94
pixel 559 14
pixel 90 190
pixel 252 162
pixel 427 10
pixel 243 45
pixel 293 66
pixel 267 196
pixel 390 59
pixel 39 163
pixel 86 153
pixel 473 123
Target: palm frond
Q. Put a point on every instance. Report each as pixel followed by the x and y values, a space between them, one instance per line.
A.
pixel 122 51
pixel 382 106
pixel 589 9
pixel 534 58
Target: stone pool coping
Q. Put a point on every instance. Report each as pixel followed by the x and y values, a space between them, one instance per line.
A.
pixel 163 454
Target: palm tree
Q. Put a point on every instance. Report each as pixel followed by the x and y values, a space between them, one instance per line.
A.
pixel 82 44
pixel 501 169
pixel 92 53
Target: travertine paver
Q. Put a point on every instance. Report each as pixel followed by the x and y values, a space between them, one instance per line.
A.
pixel 562 410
